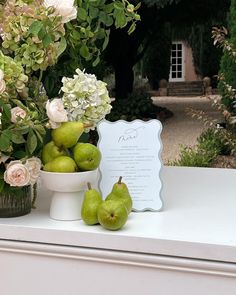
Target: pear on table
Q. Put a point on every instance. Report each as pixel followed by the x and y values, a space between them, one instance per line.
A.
pixel 91 202
pixel 120 192
pixel 112 214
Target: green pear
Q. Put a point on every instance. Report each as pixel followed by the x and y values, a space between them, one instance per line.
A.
pixel 91 202
pixel 51 151
pixel 87 156
pixel 120 192
pixel 63 164
pixel 68 134
pixel 125 199
pixel 112 214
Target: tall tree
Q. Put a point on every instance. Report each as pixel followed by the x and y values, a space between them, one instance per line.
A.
pixel 228 65
pixel 124 51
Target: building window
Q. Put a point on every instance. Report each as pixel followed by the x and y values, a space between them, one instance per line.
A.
pixel 177 62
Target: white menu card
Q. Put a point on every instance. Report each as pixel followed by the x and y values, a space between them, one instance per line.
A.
pixel 132 150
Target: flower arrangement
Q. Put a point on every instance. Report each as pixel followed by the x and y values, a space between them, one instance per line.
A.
pixel 84 99
pixel 32 38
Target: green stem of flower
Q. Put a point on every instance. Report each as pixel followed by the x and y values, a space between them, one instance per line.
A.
pixel 38 83
pixel 40 76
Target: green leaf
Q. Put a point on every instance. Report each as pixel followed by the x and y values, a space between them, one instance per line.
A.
pixel 76 35
pixel 5 140
pixel 19 154
pixel 132 28
pixel 105 18
pixel 47 39
pixel 101 34
pixel 6 112
pixel 40 129
pixel 62 46
pixel 109 8
pixel 106 40
pixel 119 5
pixel 120 19
pixel 42 33
pixel 82 13
pixel 20 104
pixel 96 61
pixel 84 137
pixel 17 138
pixel 93 12
pixel 35 27
pixel 31 142
pixel 40 132
pixel 84 51
pixel 23 129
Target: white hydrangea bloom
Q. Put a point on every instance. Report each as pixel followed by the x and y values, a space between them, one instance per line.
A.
pixel 85 98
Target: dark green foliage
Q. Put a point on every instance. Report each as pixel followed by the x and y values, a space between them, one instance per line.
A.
pixel 137 106
pixel 88 36
pixel 228 69
pixel 156 61
pixel 228 65
pixel 206 56
pixel 214 140
pixel 159 3
pixel 124 52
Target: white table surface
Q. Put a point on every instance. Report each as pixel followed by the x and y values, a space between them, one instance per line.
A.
pixel 198 221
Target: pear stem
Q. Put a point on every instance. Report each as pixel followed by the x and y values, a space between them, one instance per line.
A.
pixel 89 185
pixel 120 179
pixel 87 125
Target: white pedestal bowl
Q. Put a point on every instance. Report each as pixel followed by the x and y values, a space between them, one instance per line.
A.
pixel 68 192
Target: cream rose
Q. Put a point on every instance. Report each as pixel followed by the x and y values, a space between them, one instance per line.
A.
pixel 3 158
pixel 54 125
pixel 2 82
pixel 56 112
pixel 65 8
pixel 17 174
pixel 17 113
pixel 34 166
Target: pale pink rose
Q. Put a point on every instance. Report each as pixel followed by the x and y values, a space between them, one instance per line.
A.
pixel 17 174
pixel 56 112
pixel 2 82
pixel 64 8
pixel 54 125
pixel 34 165
pixel 17 113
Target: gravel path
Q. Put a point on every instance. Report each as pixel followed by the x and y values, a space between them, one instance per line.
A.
pixel 182 128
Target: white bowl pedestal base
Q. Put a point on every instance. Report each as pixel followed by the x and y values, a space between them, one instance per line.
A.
pixel 68 192
pixel 66 206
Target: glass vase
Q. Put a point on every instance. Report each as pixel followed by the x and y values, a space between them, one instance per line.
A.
pixel 15 202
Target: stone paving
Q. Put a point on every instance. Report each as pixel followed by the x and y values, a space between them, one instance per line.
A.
pixel 182 128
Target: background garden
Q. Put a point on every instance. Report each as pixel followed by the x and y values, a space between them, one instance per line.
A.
pixel 128 45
